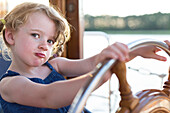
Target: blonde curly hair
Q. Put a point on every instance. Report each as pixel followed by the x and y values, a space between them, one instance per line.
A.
pixel 18 17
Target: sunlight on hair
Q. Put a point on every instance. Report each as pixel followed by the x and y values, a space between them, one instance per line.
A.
pixel 13 3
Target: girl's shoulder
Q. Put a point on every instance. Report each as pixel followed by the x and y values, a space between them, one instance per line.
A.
pixel 10 79
pixel 9 73
pixel 54 63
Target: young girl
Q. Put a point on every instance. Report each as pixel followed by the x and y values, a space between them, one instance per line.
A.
pixel 34 84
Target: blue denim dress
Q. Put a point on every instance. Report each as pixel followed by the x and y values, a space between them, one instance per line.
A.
pixel 17 108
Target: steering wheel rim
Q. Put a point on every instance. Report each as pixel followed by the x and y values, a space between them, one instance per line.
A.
pixel 83 94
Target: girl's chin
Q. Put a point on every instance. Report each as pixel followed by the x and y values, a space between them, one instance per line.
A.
pixel 38 63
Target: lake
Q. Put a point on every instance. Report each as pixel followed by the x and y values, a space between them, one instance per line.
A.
pixel 148 75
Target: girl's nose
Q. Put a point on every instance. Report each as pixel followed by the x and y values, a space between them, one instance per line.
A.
pixel 43 45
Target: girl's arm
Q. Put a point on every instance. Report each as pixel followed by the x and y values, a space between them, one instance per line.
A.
pixel 79 67
pixel 21 90
pixel 72 68
pixel 115 51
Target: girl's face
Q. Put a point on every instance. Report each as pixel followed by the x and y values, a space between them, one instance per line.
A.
pixel 33 42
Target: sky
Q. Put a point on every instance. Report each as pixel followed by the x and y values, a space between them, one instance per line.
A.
pixel 125 7
pixel 116 7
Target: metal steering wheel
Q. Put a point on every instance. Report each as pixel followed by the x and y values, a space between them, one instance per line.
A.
pixel 146 101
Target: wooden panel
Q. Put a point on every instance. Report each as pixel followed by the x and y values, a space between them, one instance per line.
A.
pixel 75 17
pixel 58 4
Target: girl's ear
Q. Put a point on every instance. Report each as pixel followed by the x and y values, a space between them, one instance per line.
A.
pixel 9 37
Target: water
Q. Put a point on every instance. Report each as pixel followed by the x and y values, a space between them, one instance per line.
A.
pixel 98 102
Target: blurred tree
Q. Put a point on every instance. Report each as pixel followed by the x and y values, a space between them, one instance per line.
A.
pixel 157 21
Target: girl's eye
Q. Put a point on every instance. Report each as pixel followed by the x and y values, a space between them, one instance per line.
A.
pixel 50 41
pixel 35 35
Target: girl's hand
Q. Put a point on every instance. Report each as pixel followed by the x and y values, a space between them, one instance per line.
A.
pixel 115 51
pixel 148 52
pixel 168 43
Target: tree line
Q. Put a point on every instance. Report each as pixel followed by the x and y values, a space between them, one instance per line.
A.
pixel 156 21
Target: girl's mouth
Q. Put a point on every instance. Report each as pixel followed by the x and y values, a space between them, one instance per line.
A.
pixel 41 55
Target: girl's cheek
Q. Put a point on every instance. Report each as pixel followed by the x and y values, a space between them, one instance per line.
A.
pixel 50 52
